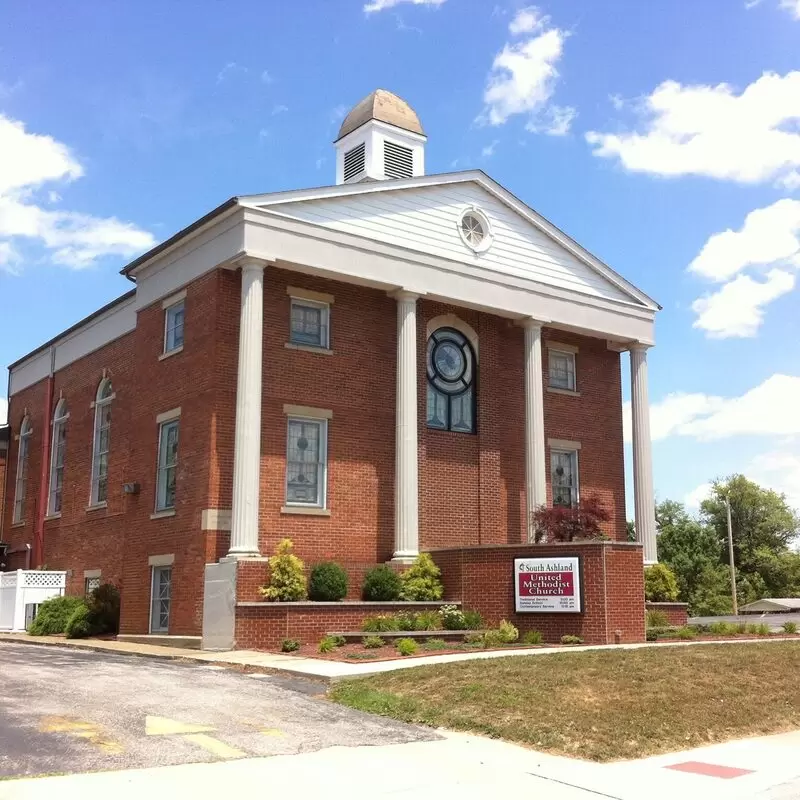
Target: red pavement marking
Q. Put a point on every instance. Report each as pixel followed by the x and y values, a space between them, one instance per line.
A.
pixel 712 770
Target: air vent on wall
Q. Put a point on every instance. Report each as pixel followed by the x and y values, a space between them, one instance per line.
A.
pixel 397 161
pixel 354 161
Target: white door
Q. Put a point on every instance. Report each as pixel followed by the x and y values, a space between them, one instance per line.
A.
pixel 160 602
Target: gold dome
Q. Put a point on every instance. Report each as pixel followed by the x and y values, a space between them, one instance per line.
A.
pixel 383 106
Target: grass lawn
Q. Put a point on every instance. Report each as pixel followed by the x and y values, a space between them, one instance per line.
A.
pixel 599 705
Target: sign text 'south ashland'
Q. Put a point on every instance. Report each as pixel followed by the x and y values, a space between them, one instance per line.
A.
pixel 547 585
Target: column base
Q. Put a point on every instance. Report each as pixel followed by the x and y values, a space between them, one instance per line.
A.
pixel 404 558
pixel 254 556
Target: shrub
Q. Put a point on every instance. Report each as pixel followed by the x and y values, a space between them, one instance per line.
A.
pixel 360 656
pixel 568 638
pixel 381 583
pixel 287 580
pixel 428 621
pixel 656 619
pixel 422 581
pixel 406 647
pixel 406 621
pixel 686 632
pixel 339 641
pixel 372 642
pixel 290 645
pixel 380 623
pixel 53 615
pixel 532 637
pixel 508 632
pixel 473 621
pixel 763 629
pixel 452 618
pixel 650 635
pixel 435 644
pixel 328 581
pixel 752 628
pixel 723 628
pixel 474 639
pixel 660 585
pixel 103 604
pixel 562 524
pixel 493 638
pixel 741 627
pixel 79 624
pixel 327 644
pixel 790 627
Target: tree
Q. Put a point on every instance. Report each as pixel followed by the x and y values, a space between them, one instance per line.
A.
pixel 570 523
pixel 660 585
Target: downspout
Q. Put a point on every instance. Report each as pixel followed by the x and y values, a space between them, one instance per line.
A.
pixel 4 493
pixel 44 467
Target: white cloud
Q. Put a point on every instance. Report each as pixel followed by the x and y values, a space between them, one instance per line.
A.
pixel 279 109
pixel 382 5
pixel 769 409
pixel 737 309
pixel 3 410
pixel 524 75
pixel 792 6
pixel 780 470
pixel 693 499
pixel 712 131
pixel 229 70
pixel 488 150
pixel 27 162
pixel 266 77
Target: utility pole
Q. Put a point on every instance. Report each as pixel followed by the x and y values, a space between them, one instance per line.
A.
pixel 730 559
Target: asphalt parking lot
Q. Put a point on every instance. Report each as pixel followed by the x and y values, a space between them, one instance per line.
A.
pixel 64 711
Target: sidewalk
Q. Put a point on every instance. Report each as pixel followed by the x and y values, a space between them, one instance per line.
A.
pixel 328 671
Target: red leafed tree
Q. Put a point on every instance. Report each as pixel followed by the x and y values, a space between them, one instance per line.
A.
pixel 570 524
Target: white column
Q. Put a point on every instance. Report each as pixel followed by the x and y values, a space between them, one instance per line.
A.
pixel 406 482
pixel 535 480
pixel 643 495
pixel 247 442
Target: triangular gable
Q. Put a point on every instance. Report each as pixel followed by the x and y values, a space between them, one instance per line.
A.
pixel 422 214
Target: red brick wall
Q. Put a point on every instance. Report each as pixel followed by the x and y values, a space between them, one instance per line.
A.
pixel 677 613
pixel 482 578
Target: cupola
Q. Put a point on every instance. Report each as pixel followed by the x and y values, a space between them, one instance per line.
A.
pixel 380 139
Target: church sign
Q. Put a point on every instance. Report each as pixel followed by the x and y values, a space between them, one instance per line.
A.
pixel 548 585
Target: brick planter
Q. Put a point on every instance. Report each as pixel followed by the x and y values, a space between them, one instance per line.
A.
pixel 677 613
pixel 263 626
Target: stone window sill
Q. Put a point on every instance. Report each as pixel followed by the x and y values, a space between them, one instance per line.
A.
pixel 20 524
pixel 171 353
pixel 52 516
pixel 97 506
pixel 170 512
pixel 312 512
pixel 568 392
pixel 309 348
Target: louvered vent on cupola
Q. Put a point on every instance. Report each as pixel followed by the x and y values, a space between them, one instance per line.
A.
pixel 398 161
pixel 354 161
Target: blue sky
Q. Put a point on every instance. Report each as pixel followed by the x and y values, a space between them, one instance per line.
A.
pixel 646 130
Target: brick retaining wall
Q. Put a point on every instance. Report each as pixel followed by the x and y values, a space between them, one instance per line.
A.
pixel 677 613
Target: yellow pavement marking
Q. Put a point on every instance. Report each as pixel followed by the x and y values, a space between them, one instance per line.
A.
pixel 83 730
pixel 214 746
pixel 272 732
pixel 161 726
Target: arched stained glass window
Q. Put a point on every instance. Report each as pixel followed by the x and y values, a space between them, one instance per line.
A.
pixel 451 381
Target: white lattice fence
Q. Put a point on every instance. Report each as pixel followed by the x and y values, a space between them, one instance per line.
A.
pixel 26 587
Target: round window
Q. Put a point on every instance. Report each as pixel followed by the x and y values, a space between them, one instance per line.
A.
pixel 473 226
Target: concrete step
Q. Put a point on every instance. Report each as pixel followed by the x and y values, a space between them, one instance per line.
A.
pixel 163 640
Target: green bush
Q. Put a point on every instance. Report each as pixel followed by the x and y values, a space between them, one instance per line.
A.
pixel 790 627
pixel 380 623
pixel 290 645
pixel 752 628
pixel 452 618
pixel 474 639
pixel 287 580
pixel 660 585
pixel 422 580
pixel 763 629
pixel 327 582
pixel 406 647
pixel 686 632
pixel 360 656
pixel 103 604
pixel 372 642
pixel 741 627
pixel 492 638
pixel 53 615
pixel 473 621
pixel 435 644
pixel 327 644
pixel 532 637
pixel 508 632
pixel 428 621
pixel 339 641
pixel 656 619
pixel 406 621
pixel 79 625
pixel 650 635
pixel 381 583
pixel 568 638
pixel 723 628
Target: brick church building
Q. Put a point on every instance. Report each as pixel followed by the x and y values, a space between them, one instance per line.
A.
pixel 395 363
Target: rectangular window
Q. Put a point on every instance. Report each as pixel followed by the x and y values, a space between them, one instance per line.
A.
pixel 306 462
pixel 167 464
pixel 309 323
pixel 21 483
pixel 173 327
pixel 561 369
pixel 90 584
pixel 564 477
pixel 161 596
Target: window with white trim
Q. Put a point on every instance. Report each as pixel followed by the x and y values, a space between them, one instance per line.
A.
pixel 21 482
pixel 57 452
pixel 173 326
pixel 306 461
pixel 564 477
pixel 90 584
pixel 102 442
pixel 561 370
pixel 167 464
pixel 309 323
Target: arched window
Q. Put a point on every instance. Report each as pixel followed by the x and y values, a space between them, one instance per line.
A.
pixel 60 417
pixel 451 381
pixel 102 442
pixel 21 482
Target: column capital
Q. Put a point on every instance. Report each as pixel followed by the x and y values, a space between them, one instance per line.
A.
pixel 250 263
pixel 532 323
pixel 639 347
pixel 405 295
